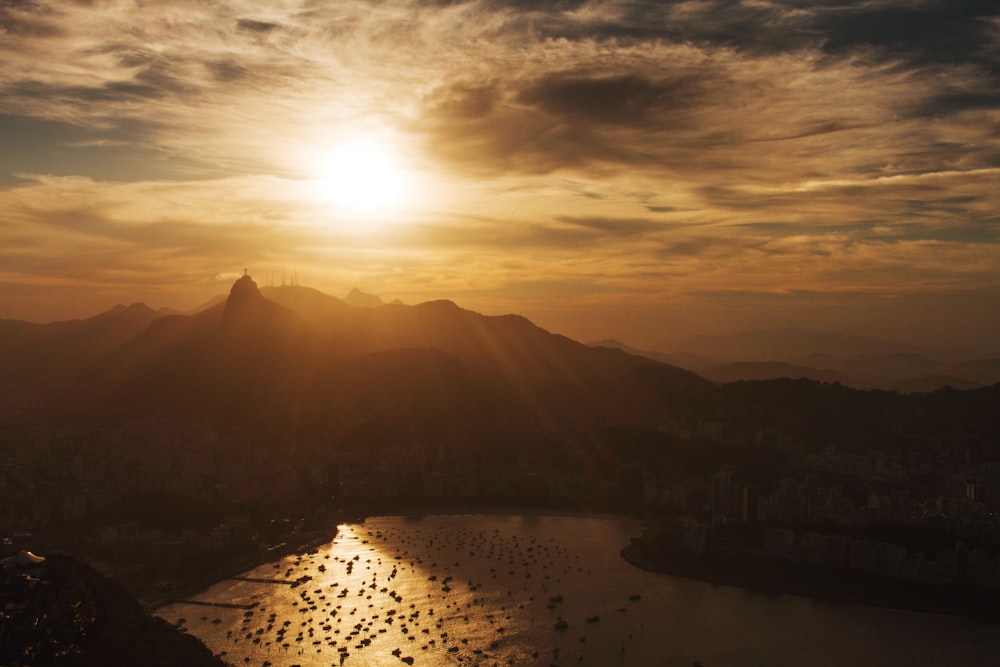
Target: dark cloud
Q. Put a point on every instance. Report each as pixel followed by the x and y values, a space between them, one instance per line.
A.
pixel 616 100
pixel 161 77
pixel 256 26
pixel 545 6
pixel 130 56
pixel 463 101
pixel 561 232
pixel 812 129
pixel 122 151
pixel 949 103
pixel 28 19
pixel 568 119
pixel 940 31
pixel 751 28
pixel 112 91
pixel 942 220
pixel 614 227
pixel 728 197
pixel 781 229
pixel 226 70
pixel 934 31
pixel 709 247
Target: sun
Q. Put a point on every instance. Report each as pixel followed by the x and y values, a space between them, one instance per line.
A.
pixel 361 175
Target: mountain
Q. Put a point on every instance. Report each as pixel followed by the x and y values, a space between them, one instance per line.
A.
pixel 905 374
pixel 769 370
pixel 304 300
pixel 786 345
pixel 36 357
pixel 290 366
pixel 928 383
pixel 855 361
pixel 886 368
pixel 692 362
pixel 984 371
pixel 295 361
pixel 360 299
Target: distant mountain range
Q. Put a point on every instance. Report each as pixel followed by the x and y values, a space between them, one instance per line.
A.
pixel 294 365
pixel 854 361
pixel 294 360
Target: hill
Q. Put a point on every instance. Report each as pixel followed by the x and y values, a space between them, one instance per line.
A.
pixel 37 357
pixel 62 613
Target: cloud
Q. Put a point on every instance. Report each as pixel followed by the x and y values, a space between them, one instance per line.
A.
pixel 955 102
pixel 956 31
pixel 256 26
pixel 617 100
pixel 28 20
pixel 566 118
pixel 615 226
pixel 593 152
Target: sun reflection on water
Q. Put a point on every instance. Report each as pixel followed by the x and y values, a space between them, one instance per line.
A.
pixel 433 591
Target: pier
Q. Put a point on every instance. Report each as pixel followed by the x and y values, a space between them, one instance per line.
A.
pixel 265 580
pixel 223 605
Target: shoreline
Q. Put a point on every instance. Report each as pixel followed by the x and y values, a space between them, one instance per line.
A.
pixel 829 586
pixel 313 539
pixel 760 575
pixel 513 510
pixel 356 515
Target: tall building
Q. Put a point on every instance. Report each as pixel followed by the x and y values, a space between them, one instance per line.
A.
pixel 748 506
pixel 721 500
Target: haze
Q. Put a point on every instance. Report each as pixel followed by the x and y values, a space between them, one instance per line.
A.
pixel 638 170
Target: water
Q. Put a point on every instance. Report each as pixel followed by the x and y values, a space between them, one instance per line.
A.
pixel 489 590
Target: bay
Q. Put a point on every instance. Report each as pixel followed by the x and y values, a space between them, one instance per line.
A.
pixel 535 589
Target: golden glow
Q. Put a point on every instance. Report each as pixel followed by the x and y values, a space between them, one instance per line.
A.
pixel 361 175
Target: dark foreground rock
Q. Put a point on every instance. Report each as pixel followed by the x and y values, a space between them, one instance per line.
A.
pixel 58 611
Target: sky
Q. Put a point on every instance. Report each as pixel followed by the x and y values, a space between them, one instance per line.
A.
pixel 636 169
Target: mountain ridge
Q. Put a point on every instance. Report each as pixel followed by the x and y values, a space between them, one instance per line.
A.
pixel 307 363
pixel 856 361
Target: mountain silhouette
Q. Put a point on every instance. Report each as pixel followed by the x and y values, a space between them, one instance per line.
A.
pixel 39 357
pixel 294 361
pixel 767 370
pixel 361 299
pixel 786 345
pixel 856 361
pixel 290 366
